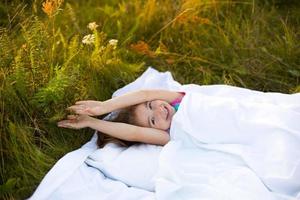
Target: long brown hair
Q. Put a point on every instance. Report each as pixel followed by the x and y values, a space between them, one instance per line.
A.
pixel 126 115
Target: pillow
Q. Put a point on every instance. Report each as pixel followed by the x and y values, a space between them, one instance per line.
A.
pixel 138 164
pixel 135 166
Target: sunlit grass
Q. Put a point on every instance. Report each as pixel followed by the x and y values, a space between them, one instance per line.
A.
pixel 47 65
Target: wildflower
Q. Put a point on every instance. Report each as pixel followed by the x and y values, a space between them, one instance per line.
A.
pixel 51 7
pixel 142 48
pixel 92 26
pixel 88 39
pixel 113 43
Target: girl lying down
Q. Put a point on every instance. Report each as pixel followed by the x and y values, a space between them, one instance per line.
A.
pixel 252 134
pixel 145 117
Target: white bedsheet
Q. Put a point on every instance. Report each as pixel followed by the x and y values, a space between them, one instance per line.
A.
pixel 209 159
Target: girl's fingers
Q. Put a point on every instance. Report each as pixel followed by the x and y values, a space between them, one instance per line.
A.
pixel 75 107
pixel 80 102
pixel 72 116
pixel 80 109
pixel 88 110
pixel 65 124
pixel 61 124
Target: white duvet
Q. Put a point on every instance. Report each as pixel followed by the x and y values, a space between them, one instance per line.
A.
pixel 226 143
pixel 232 143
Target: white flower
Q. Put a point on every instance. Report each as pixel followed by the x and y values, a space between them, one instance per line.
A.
pixel 92 26
pixel 113 43
pixel 88 39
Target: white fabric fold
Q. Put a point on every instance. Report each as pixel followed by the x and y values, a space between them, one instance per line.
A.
pixel 135 166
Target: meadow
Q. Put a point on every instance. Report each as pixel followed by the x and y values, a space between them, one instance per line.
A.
pixel 55 52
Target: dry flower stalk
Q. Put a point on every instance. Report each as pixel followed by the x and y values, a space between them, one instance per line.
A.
pixel 51 7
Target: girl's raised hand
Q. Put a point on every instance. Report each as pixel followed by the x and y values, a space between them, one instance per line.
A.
pixel 88 107
pixel 75 122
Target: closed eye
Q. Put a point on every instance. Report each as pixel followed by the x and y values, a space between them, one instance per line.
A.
pixel 153 121
pixel 150 106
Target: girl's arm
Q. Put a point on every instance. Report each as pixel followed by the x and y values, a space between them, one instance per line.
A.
pixel 165 95
pixel 138 97
pixel 130 132
pixel 118 130
pixel 132 98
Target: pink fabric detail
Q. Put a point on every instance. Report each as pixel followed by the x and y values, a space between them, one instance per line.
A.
pixel 178 100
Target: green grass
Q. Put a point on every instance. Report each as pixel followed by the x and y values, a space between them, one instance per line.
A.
pixel 45 67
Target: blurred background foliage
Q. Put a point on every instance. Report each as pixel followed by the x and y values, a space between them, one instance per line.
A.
pixel 49 59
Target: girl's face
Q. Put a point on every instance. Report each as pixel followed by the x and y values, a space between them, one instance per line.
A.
pixel 154 114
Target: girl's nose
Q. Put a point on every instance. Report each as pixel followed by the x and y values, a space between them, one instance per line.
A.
pixel 159 111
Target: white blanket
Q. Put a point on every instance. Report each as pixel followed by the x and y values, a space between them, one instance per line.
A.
pixel 227 143
pixel 232 143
